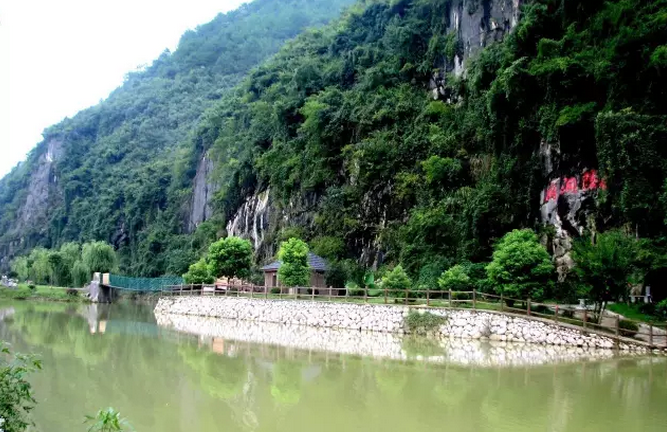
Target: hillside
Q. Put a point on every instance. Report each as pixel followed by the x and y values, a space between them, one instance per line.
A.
pixel 108 173
pixel 411 131
pixel 393 137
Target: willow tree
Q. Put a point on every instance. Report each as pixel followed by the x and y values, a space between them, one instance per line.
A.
pixel 99 257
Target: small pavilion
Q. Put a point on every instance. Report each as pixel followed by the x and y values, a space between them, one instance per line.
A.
pixel 318 267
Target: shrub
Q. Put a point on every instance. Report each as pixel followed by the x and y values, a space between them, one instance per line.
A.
pixel 396 282
pixel 521 266
pixel 32 287
pixel 108 420
pixel 422 323
pixel 661 309
pixel 71 292
pixel 230 257
pixel 455 279
pixel 628 328
pixel 275 290
pixel 199 274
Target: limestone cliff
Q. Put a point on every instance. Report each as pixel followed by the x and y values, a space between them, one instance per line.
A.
pixel 204 189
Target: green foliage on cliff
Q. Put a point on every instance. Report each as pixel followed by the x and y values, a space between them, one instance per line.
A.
pixel 341 128
pixel 343 114
pixel 123 169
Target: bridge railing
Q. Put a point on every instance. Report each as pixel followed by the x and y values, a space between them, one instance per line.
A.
pixel 654 333
pixel 126 283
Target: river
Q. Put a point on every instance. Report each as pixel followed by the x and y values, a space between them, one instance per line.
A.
pixel 168 381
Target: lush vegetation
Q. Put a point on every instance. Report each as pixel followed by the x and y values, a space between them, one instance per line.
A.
pixel 37 292
pixel 70 266
pixel 126 165
pixel 108 420
pixel 294 270
pixel 340 127
pixel 16 394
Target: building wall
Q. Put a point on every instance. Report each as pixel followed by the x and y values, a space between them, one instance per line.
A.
pixel 317 279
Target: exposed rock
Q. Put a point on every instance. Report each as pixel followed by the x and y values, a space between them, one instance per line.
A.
pixel 37 202
pixel 200 208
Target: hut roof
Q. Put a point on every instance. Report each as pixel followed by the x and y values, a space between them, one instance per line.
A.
pixel 315 262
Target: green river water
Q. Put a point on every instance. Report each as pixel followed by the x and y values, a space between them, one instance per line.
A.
pixel 165 381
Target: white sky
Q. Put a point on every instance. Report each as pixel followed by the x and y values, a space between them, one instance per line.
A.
pixel 58 57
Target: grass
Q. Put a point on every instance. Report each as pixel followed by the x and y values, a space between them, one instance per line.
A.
pixel 41 292
pixel 631 311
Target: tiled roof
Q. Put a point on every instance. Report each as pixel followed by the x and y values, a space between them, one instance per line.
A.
pixel 314 262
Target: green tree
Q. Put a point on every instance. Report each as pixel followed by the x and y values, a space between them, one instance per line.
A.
pixel 199 273
pixel 21 267
pixel 99 257
pixel 61 274
pixel 606 267
pixel 41 270
pixel 16 394
pixel 230 257
pixel 80 274
pixel 397 282
pixel 294 270
pixel 455 279
pixel 521 267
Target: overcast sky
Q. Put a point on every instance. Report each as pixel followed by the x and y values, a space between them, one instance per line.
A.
pixel 58 57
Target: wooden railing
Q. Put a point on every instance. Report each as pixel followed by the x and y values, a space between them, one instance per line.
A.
pixel 653 334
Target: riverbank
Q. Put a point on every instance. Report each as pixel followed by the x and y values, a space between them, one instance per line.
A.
pixel 43 293
pixel 458 324
pixel 382 345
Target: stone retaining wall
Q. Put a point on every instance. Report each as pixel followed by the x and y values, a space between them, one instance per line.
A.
pixel 387 319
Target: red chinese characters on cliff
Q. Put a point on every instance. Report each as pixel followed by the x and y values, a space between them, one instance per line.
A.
pixel 569 185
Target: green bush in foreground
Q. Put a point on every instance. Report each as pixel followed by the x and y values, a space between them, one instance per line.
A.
pixel 16 395
pixel 628 328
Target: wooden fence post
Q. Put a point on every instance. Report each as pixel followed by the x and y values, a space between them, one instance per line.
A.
pixel 450 298
pixel 180 292
pixel 474 298
pixel 312 294
pixel 502 303
pixel 266 292
pixel 407 295
pixel 385 296
pixel 556 314
pixel 528 309
pixel 585 317
pixel 428 297
pixel 330 288
pixel 365 294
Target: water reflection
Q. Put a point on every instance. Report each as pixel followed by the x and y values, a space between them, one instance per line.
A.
pixel 169 381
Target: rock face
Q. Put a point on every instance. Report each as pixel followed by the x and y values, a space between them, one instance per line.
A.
pixel 476 24
pixel 252 219
pixel 386 319
pixel 566 204
pixel 201 208
pixel 42 180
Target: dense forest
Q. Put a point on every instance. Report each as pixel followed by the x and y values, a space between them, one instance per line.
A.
pixel 371 143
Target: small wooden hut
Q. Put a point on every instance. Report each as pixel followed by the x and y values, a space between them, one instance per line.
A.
pixel 318 267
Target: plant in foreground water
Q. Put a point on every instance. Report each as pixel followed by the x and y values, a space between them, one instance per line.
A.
pixel 16 396
pixel 108 420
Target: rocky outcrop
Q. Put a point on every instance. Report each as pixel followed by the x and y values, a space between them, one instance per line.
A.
pixel 204 189
pixel 252 219
pixel 476 24
pixel 40 190
pixel 388 319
